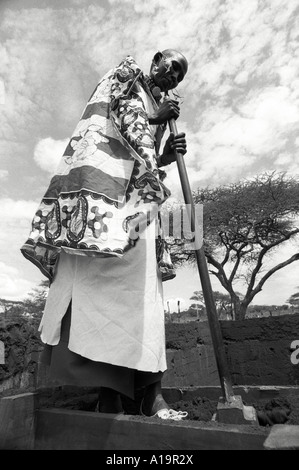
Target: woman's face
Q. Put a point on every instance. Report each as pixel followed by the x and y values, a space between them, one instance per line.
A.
pixel 168 71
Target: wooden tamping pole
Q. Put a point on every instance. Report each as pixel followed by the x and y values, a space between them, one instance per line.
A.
pixel 214 325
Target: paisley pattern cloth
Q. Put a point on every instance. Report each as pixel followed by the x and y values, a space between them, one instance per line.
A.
pixel 107 182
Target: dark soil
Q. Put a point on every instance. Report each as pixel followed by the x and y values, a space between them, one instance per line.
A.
pixel 278 411
pixel 269 412
pixel 275 411
pixel 198 409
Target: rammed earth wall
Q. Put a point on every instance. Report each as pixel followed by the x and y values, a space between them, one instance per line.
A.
pixel 259 352
pixel 21 348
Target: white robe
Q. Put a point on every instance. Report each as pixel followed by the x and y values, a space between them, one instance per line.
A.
pixel 117 303
pixel 117 307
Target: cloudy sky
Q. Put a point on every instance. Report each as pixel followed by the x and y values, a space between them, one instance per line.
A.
pixel 240 107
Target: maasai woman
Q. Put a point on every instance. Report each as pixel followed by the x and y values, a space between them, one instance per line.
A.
pixel 97 236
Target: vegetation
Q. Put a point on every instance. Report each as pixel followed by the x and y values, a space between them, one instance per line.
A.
pixel 222 302
pixel 294 300
pixel 244 224
pixel 35 302
pixel 30 309
pixel 197 310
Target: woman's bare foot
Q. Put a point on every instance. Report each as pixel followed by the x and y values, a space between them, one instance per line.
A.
pixel 153 400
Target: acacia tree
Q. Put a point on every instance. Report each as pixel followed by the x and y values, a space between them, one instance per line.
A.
pixel 243 225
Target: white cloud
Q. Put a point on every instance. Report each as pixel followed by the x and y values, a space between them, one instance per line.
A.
pixel 253 135
pixel 48 153
pixel 287 74
pixel 2 92
pixel 3 174
pixel 11 210
pixel 225 163
pixel 274 106
pixel 17 275
pixel 13 286
pixel 15 224
pixel 242 78
pixel 283 159
pixel 80 2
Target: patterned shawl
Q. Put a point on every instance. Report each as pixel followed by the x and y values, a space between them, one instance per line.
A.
pixel 107 179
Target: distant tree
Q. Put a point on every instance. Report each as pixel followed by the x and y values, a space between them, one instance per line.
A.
pixel 199 302
pixel 7 306
pixel 294 300
pixel 13 311
pixel 244 224
pixel 36 300
pixel 198 296
pixel 200 309
pixel 284 307
pixel 222 303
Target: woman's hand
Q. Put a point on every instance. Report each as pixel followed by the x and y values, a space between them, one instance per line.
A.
pixel 172 145
pixel 169 109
